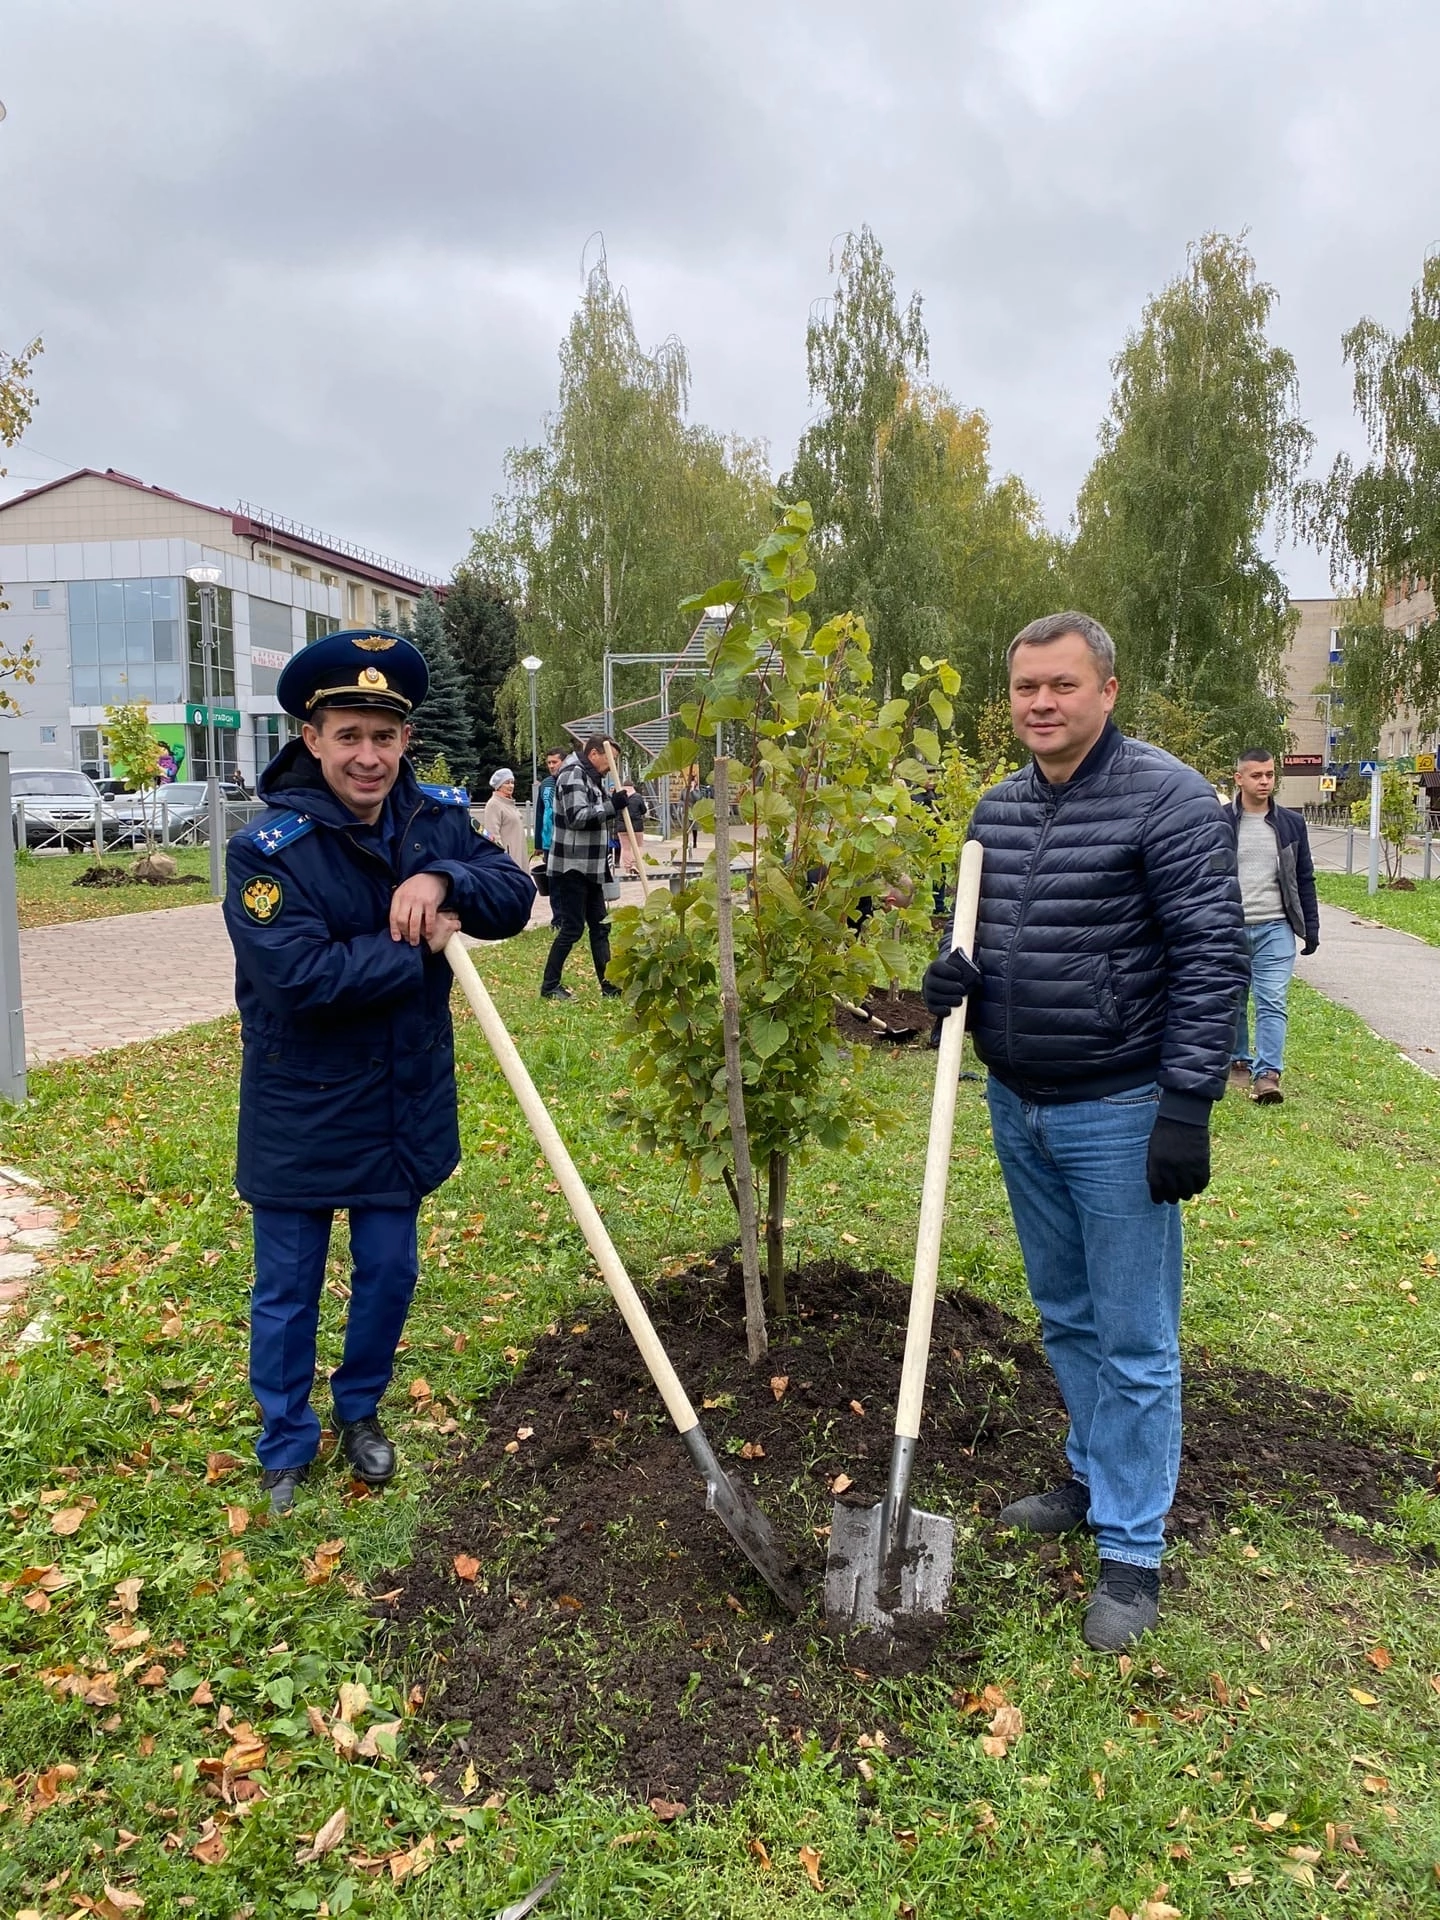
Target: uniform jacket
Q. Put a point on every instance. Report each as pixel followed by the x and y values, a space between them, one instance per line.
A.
pixel 584 821
pixel 1110 937
pixel 1297 869
pixel 347 1079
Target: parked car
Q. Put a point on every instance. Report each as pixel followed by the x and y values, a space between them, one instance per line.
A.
pixel 59 806
pixel 178 813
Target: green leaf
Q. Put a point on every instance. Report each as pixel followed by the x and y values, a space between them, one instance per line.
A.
pixel 681 753
pixel 893 713
pixel 927 745
pixel 941 708
pixel 766 1036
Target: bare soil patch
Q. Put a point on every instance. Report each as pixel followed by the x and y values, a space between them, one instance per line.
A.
pixel 608 1623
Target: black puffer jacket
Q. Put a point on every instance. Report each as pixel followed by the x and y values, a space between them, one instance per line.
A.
pixel 1110 936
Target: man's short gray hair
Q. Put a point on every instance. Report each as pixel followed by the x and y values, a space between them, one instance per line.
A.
pixel 1054 626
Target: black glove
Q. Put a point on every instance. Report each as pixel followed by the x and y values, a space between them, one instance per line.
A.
pixel 620 799
pixel 1310 946
pixel 1177 1166
pixel 947 981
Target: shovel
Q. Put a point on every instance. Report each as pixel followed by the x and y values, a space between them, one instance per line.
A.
pixel 731 1503
pixel 613 751
pixel 894 1560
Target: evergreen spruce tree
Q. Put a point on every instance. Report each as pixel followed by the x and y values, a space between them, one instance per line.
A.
pixel 484 638
pixel 442 723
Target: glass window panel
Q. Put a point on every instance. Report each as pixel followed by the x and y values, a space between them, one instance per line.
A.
pixel 165 599
pixel 140 679
pixel 84 645
pixel 112 642
pixel 114 691
pixel 139 643
pixel 81 595
pixel 167 639
pixel 137 600
pixel 168 683
pixel 109 600
pixel 85 686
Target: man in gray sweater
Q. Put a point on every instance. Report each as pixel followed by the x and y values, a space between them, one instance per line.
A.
pixel 1277 891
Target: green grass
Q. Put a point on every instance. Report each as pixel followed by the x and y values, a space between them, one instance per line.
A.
pixel 1238 1712
pixel 1417 912
pixel 46 892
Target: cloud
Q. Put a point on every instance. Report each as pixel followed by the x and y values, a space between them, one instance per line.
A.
pixel 322 256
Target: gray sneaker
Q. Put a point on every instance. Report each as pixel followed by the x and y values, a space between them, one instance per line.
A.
pixel 1061 1510
pixel 280 1483
pixel 1125 1604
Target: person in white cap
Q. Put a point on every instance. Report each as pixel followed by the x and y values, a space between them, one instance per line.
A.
pixel 503 824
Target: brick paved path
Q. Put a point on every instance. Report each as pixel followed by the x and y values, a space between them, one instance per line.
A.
pixel 91 984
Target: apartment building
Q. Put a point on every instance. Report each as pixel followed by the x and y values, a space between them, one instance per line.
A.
pixel 93 568
pixel 1317 714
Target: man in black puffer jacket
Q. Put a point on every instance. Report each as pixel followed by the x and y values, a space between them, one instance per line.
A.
pixel 1109 963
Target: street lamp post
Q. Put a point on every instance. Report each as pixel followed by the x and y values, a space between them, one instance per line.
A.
pixel 207 579
pixel 532 665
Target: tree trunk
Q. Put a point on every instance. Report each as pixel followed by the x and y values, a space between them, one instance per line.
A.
pixel 756 1340
pixel 778 1182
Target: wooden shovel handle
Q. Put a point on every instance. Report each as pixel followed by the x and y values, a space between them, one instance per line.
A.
pixel 937 1165
pixel 611 750
pixel 577 1194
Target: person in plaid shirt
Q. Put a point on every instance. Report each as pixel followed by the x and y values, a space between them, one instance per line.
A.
pixel 579 863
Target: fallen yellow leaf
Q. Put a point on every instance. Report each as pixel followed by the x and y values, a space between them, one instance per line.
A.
pixel 810 1860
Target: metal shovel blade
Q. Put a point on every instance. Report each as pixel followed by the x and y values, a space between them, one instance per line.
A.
pixel 860 1591
pixel 735 1508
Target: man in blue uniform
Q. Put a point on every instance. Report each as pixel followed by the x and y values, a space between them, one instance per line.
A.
pixel 339 901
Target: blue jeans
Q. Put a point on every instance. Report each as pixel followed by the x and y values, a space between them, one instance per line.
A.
pixel 1272 961
pixel 1103 1262
pixel 290 1252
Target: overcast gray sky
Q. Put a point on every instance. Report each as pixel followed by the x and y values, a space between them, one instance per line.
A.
pixel 320 253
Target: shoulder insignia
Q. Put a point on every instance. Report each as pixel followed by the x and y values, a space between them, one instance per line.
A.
pixel 281 831
pixel 262 898
pixel 447 796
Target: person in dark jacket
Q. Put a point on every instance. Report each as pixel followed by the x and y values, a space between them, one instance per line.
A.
pixel 545 800
pixel 1109 961
pixel 1277 894
pixel 580 863
pixel 339 900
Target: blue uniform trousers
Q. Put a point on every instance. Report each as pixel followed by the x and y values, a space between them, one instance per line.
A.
pixel 290 1251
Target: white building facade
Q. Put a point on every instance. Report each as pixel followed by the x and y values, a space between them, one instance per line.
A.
pixel 94 570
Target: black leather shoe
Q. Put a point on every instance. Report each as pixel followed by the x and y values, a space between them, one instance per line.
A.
pixel 610 993
pixel 556 993
pixel 280 1483
pixel 364 1445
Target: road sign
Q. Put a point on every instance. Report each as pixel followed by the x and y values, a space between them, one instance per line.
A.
pixel 1327 783
pixel 1367 767
pixel 197 716
pixel 1424 763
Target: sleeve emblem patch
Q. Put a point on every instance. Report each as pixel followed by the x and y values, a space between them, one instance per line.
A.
pixel 261 898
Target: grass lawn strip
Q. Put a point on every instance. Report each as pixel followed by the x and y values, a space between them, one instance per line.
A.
pixel 46 893
pixel 1417 912
pixel 1284 1716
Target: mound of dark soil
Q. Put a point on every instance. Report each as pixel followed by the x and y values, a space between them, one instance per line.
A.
pixel 100 875
pixel 883 1022
pixel 612 1623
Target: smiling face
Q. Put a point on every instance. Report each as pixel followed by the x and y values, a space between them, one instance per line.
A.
pixel 1058 702
pixel 359 750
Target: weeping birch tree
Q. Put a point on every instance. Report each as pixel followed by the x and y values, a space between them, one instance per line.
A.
pixel 1203 446
pixel 604 521
pixel 1381 521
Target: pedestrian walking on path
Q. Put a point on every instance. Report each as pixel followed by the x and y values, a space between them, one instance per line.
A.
pixel 1277 892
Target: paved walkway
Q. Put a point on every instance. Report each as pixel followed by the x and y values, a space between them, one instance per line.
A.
pixel 1391 979
pixel 91 984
